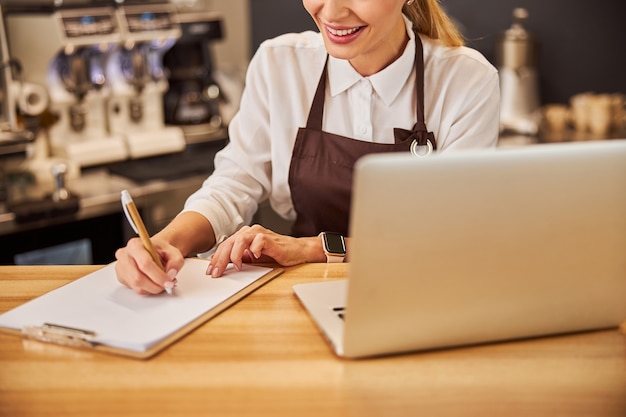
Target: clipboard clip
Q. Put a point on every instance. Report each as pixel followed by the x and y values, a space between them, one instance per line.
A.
pixel 62 335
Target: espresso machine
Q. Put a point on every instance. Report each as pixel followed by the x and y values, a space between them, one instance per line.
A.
pixel 138 80
pixel 517 55
pixel 16 99
pixel 66 51
pixel 195 99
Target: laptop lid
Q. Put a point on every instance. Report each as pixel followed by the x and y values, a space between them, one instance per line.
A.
pixel 483 246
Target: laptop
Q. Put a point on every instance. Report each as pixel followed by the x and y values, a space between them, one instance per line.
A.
pixel 477 247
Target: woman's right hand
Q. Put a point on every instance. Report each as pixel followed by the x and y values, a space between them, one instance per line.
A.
pixel 136 269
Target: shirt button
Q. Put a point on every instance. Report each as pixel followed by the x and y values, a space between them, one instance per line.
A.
pixel 363 130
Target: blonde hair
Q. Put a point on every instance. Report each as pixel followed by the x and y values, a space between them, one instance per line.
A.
pixel 430 19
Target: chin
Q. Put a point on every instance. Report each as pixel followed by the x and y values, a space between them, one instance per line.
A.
pixel 340 51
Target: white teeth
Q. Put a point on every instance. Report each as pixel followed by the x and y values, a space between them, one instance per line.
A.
pixel 342 32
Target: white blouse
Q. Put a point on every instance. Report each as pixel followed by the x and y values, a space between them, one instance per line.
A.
pixel 461 101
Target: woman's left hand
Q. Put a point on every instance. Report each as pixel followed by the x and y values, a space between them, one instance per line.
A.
pixel 258 244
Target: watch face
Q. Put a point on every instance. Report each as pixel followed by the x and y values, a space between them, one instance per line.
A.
pixel 333 243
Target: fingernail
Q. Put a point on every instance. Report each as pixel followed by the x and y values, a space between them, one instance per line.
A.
pixel 168 285
pixel 172 273
pixel 214 273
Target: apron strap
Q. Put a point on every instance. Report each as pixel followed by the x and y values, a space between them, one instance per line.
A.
pixel 316 115
pixel 420 132
pixel 419 82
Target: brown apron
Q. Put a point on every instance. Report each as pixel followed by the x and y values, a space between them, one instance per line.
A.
pixel 320 174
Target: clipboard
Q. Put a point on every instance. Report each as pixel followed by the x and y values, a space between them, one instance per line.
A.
pixel 97 312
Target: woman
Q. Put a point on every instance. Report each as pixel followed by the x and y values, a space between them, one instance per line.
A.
pixel 373 80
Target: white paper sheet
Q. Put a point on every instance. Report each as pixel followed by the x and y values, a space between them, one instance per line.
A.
pixel 123 319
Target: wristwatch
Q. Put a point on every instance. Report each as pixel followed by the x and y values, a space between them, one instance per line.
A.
pixel 334 247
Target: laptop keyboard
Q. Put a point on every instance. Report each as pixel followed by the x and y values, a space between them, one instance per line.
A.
pixel 340 312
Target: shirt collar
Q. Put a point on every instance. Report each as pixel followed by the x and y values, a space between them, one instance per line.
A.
pixel 342 76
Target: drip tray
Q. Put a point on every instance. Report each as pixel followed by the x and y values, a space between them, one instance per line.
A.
pixel 195 160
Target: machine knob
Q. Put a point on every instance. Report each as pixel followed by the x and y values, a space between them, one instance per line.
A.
pixel 60 192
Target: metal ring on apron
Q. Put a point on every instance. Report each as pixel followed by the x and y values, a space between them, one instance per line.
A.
pixel 414 148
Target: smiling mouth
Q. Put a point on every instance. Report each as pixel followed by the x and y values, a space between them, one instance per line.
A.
pixel 343 32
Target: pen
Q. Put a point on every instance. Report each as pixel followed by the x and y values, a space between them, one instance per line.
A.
pixel 132 214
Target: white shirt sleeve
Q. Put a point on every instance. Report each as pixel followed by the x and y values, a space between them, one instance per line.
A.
pixel 463 98
pixel 242 177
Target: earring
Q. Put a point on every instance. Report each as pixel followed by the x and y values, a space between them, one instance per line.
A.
pixel 409 2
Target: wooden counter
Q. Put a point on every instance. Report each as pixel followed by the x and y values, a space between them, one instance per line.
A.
pixel 265 357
